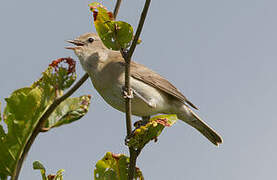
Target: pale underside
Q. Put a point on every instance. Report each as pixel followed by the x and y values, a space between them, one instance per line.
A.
pixel 162 94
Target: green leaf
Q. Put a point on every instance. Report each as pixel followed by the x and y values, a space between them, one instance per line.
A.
pixel 114 167
pixel 124 34
pixel 21 114
pixel 68 111
pixel 38 165
pixel 145 133
pixel 25 107
pixel 58 176
pixel 114 34
pixel 3 177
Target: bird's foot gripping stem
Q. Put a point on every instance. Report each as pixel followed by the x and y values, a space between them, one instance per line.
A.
pixel 126 94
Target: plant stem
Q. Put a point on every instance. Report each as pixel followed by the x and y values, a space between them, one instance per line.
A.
pixel 116 9
pixel 139 28
pixel 132 165
pixel 41 122
pixel 49 111
pixel 133 153
pixel 128 107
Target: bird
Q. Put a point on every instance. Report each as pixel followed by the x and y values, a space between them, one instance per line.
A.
pixel 152 93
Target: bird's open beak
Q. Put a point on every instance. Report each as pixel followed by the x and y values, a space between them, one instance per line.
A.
pixel 78 44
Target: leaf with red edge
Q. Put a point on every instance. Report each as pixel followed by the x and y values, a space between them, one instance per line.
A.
pixel 27 105
pixel 150 131
pixel 114 34
pixel 113 167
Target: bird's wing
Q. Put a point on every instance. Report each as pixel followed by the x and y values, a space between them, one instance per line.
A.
pixel 152 78
pixel 144 74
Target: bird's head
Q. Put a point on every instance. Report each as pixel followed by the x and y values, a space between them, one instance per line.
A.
pixel 87 45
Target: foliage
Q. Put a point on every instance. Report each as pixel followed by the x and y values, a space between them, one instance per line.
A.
pixel 39 166
pixel 114 167
pixel 115 35
pixel 70 110
pixel 150 131
pixel 26 106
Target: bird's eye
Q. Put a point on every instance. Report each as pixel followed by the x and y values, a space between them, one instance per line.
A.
pixel 90 39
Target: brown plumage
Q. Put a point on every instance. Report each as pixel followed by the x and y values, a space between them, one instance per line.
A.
pixel 146 75
pixel 153 93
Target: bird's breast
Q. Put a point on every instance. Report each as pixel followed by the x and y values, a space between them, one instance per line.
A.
pixel 110 87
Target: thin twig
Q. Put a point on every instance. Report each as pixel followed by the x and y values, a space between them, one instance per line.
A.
pixel 49 111
pixel 42 121
pixel 127 59
pixel 116 9
pixel 140 26
pixel 128 99
pixel 133 153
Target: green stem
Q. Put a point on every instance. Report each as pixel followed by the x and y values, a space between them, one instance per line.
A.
pixel 41 122
pixel 48 113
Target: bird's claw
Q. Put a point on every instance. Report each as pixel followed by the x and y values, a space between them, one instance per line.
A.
pixel 127 139
pixel 126 94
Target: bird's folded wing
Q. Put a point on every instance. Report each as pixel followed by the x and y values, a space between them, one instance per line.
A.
pixel 150 77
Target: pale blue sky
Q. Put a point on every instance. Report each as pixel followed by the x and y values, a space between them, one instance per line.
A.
pixel 221 54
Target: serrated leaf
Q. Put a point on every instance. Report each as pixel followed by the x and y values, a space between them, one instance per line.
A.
pixel 114 167
pixel 114 34
pixel 145 133
pixel 21 114
pixel 68 111
pixel 25 107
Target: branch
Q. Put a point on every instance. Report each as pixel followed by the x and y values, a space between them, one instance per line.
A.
pixel 127 57
pixel 49 111
pixel 42 121
pixel 116 8
pixel 140 26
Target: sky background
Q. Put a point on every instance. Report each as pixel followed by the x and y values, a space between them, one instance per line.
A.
pixel 221 54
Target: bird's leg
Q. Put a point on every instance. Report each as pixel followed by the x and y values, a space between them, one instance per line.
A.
pixel 149 102
pixel 126 94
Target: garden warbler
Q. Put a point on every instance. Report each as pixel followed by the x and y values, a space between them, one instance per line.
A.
pixel 152 94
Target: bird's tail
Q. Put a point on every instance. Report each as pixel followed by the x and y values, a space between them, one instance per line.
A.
pixel 192 119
